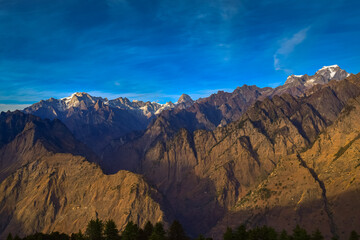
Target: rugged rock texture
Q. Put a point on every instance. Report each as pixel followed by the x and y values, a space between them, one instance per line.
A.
pixel 298 84
pixel 250 157
pixel 96 121
pixel 62 192
pixel 204 174
pixel 208 113
pixel 317 188
pixel 25 138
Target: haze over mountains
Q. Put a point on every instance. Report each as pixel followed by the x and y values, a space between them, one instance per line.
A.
pixel 277 156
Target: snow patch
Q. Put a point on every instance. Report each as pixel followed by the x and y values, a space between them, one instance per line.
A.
pixel 331 66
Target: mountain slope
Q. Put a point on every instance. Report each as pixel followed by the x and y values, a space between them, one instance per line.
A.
pixel 62 192
pixel 26 138
pixel 204 173
pixel 208 113
pixel 317 188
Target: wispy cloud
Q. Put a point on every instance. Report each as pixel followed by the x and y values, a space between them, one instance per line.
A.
pixel 287 46
pixel 12 107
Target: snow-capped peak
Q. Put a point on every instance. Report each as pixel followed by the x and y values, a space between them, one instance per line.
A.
pixel 332 72
pixel 329 67
pixel 322 76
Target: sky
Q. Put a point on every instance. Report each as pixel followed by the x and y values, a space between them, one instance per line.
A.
pixel 155 50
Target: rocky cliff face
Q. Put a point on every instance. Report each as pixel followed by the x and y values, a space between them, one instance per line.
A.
pixel 26 138
pixel 208 114
pixel 316 188
pixel 220 167
pixel 280 157
pixel 62 192
pixel 96 121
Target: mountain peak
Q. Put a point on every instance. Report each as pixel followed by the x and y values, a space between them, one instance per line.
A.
pixel 322 76
pixel 331 66
pixel 184 98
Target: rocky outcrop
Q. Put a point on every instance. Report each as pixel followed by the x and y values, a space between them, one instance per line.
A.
pixel 26 138
pixel 315 188
pixel 222 166
pixel 62 192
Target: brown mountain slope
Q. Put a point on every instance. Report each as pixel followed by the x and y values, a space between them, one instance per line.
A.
pixel 26 138
pixel 318 188
pixel 203 174
pixel 216 110
pixel 62 192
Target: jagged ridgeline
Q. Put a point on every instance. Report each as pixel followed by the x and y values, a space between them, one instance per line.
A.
pixel 256 156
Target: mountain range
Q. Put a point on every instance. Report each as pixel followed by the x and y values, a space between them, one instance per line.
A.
pixel 276 156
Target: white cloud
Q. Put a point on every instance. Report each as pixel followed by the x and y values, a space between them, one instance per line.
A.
pixel 12 107
pixel 287 46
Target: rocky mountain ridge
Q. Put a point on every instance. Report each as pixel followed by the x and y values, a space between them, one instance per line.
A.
pixel 222 166
pixel 249 157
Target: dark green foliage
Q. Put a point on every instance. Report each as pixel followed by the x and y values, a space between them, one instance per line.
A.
pixel 42 236
pixel 9 237
pixel 284 235
pixel 110 231
pixel 148 229
pixel 317 235
pixel 241 233
pixel 343 149
pixel 262 233
pixel 176 232
pixel 228 235
pixel 17 237
pixel 94 230
pixel 300 234
pixel 158 233
pixel 77 236
pixel 141 235
pixel 130 232
pixel 354 236
pixel 200 237
pixel 264 193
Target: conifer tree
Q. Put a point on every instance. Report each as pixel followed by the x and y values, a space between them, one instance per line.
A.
pixel 77 236
pixel 354 236
pixel 94 230
pixel 110 231
pixel 9 237
pixel 176 231
pixel 148 229
pixel 316 235
pixel 284 235
pixel 241 233
pixel 130 232
pixel 228 235
pixel 158 233
pixel 300 234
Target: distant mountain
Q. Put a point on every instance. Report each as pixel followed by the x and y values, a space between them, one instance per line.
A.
pixel 209 113
pixel 317 187
pixel 205 174
pixel 298 84
pixel 95 120
pixel 280 157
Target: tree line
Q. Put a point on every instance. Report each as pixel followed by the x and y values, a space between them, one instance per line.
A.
pixel 100 230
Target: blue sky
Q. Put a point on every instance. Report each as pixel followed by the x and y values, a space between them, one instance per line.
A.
pixel 158 49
